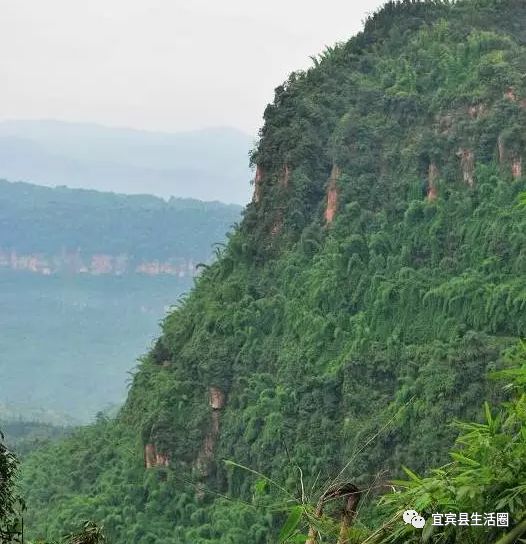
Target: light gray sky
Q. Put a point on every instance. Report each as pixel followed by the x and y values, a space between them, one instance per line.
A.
pixel 161 64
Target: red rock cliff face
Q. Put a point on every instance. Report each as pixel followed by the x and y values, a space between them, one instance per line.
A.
pixel 162 460
pixel 149 455
pixel 258 181
pixel 477 111
pixel 277 226
pixel 510 94
pixel 152 458
pixel 516 167
pixel 285 176
pixel 332 195
pixel 96 265
pixel 216 398
pixel 101 264
pixel 444 124
pixel 35 263
pixel 510 159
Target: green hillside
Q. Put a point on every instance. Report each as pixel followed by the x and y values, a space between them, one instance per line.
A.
pixel 376 279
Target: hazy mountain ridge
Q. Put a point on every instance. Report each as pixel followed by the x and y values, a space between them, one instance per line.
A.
pixel 56 230
pixel 210 164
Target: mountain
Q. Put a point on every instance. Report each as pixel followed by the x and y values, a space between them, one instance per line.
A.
pixel 84 279
pixel 377 278
pixel 47 230
pixel 209 164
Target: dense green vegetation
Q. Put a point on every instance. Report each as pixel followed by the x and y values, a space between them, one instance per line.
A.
pixel 342 351
pixel 486 473
pixel 12 508
pixel 9 501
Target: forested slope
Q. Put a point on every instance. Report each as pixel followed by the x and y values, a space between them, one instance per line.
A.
pixel 377 277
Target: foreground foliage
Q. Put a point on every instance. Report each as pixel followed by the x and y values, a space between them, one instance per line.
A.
pixel 10 503
pixel 12 509
pixel 486 473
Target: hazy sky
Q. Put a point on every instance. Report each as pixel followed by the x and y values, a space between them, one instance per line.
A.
pixel 160 64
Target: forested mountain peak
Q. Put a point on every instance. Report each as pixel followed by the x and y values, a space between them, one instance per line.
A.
pixel 376 278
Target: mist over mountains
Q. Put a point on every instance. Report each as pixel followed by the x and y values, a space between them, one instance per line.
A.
pixel 208 164
pixel 85 277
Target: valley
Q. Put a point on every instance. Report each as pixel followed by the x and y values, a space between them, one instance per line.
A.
pixel 85 278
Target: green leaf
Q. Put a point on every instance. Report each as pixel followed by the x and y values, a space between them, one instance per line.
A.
pixel 260 486
pixel 428 531
pixel 464 460
pixel 291 524
pixel 297 539
pixel 411 474
pixel 487 410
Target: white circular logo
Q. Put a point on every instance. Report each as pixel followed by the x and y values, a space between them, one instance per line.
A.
pixel 412 517
pixel 418 522
pixel 409 515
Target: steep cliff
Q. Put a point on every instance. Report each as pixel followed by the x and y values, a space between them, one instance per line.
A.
pixel 377 276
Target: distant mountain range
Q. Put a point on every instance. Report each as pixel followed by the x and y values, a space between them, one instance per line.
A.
pixel 52 230
pixel 209 164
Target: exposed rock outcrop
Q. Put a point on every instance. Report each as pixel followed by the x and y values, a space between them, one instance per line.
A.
pixel 510 94
pixel 95 265
pixel 476 111
pixel 258 180
pixel 285 176
pixel 467 164
pixel 510 159
pixel 216 401
pixel 444 124
pixel 332 195
pixel 432 189
pixel 216 398
pixel 153 458
pixel 516 167
pixel 277 226
pixel 149 455
pixel 160 268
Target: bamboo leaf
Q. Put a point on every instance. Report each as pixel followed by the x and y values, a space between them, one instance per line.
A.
pixel 291 524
